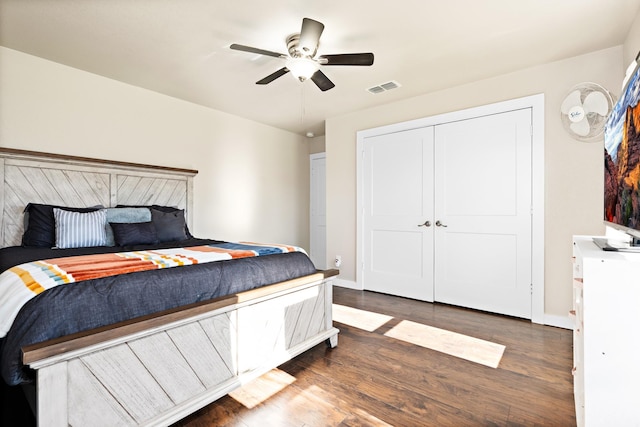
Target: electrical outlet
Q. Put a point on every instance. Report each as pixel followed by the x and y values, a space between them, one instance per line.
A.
pixel 338 261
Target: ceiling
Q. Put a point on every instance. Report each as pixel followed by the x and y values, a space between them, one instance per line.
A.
pixel 181 47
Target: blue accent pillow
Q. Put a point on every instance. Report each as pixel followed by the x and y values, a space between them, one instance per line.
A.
pixel 134 233
pixel 124 215
pixel 80 229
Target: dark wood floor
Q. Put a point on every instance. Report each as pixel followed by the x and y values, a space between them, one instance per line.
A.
pixel 374 380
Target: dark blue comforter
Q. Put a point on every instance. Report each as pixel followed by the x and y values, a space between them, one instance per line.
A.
pixel 67 309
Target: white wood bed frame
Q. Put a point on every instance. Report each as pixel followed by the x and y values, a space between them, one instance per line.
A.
pixel 157 369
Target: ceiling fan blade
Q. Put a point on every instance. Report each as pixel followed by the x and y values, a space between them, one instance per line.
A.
pixel 310 36
pixel 322 81
pixel 347 59
pixel 256 50
pixel 271 77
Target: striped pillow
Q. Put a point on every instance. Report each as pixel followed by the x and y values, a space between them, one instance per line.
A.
pixel 80 230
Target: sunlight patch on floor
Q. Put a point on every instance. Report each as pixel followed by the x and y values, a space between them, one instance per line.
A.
pixel 366 419
pixel 310 406
pixel 262 388
pixel 473 349
pixel 361 319
pixel 322 405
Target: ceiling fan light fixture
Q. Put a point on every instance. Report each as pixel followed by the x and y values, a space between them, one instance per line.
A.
pixel 302 68
pixel 301 60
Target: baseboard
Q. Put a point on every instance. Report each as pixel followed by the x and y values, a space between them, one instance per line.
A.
pixel 564 322
pixel 347 284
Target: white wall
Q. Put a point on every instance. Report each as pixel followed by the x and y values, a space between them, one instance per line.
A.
pixel 573 169
pixel 253 181
pixel 632 43
pixel 316 144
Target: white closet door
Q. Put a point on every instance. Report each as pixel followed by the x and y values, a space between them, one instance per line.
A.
pixel 483 201
pixel 398 197
pixel 318 209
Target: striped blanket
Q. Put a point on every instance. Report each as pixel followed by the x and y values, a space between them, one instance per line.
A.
pixel 21 283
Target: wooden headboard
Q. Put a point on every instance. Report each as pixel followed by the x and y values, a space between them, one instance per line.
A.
pixel 34 177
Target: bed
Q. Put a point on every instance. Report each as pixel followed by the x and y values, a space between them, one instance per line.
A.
pixel 190 319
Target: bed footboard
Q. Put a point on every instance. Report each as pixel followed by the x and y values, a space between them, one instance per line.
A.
pixel 158 369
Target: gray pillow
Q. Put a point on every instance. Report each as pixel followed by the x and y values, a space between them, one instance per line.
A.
pixel 170 226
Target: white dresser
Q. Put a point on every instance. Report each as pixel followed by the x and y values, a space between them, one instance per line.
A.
pixel 606 338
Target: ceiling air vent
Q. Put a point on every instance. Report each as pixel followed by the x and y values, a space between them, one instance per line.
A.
pixel 384 87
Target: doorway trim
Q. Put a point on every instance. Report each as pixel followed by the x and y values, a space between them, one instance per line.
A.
pixel 536 103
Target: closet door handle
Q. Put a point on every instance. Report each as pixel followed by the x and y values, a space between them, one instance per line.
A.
pixel 439 224
pixel 426 224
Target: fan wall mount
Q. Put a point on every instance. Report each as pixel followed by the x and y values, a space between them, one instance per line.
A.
pixel 301 60
pixel 584 111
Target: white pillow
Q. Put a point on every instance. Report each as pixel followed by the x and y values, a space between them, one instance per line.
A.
pixel 79 229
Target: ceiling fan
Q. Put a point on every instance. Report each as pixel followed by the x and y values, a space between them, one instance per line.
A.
pixel 301 60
